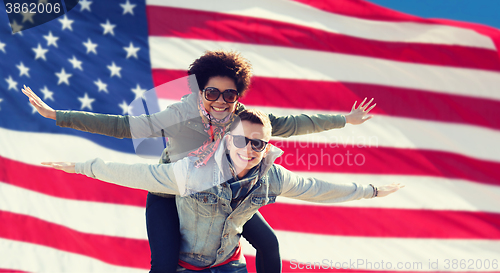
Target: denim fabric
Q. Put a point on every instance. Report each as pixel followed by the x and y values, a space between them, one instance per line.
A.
pixel 232 267
pixel 210 228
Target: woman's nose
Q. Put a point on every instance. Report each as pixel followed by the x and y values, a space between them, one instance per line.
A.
pixel 220 99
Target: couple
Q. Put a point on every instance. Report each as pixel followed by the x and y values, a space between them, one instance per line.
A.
pixel 242 180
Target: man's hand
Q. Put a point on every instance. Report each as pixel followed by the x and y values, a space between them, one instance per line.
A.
pixel 42 108
pixel 68 167
pixel 388 189
pixel 358 115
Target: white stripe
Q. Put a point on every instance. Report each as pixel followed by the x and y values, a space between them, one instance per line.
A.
pixel 386 131
pixel 108 219
pixel 89 217
pixel 33 148
pixel 394 132
pixel 416 254
pixel 36 258
pixel 420 192
pixel 287 11
pixel 290 63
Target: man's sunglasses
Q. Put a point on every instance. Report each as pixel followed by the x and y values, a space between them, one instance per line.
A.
pixel 213 94
pixel 242 141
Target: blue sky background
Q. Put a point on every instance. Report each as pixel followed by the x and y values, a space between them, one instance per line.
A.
pixel 486 12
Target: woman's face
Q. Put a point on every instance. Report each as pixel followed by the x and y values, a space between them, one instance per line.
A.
pixel 219 109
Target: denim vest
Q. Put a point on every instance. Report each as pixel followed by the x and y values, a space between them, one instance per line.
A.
pixel 210 228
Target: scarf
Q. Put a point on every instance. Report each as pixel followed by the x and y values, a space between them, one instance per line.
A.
pixel 241 187
pixel 216 129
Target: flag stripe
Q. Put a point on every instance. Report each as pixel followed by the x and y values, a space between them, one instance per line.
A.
pixel 423 224
pixel 300 64
pixel 60 184
pixel 98 246
pixel 82 216
pixel 294 13
pixel 394 132
pixel 319 157
pixel 382 131
pixel 421 192
pixel 38 258
pixel 112 250
pixel 426 192
pixel 304 156
pixel 203 25
pixel 439 107
pixel 49 148
pixel 370 11
pixel 345 248
pixel 383 160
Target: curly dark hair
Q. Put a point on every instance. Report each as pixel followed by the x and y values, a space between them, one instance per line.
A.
pixel 224 64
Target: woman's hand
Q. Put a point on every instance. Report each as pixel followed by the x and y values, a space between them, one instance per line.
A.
pixel 68 167
pixel 358 115
pixel 388 189
pixel 42 108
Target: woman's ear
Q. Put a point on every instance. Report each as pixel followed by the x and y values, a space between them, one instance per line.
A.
pixel 228 141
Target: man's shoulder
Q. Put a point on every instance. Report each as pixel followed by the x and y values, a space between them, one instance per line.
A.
pixel 274 177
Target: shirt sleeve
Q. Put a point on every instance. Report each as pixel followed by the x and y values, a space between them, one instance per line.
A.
pixel 164 178
pixel 316 190
pixel 294 125
pixel 143 126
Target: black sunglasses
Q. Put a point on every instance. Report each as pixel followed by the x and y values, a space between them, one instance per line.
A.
pixel 242 141
pixel 213 94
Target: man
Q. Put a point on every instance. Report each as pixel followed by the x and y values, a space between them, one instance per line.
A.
pixel 216 200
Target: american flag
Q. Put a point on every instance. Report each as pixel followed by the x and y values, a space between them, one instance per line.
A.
pixel 436 128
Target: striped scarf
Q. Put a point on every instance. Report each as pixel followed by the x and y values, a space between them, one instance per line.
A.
pixel 241 187
pixel 216 129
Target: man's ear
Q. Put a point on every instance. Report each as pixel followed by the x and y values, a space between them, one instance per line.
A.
pixel 268 148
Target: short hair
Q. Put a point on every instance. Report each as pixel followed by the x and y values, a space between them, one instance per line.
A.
pixel 254 116
pixel 224 64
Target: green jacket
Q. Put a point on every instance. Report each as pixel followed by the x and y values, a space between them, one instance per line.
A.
pixel 181 123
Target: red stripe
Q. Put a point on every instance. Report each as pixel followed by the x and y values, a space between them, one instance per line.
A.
pixel 340 96
pixel 2 270
pixel 366 10
pixel 362 9
pixel 298 156
pixel 195 24
pixel 113 250
pixel 373 222
pixel 294 266
pixel 72 186
pixel 320 157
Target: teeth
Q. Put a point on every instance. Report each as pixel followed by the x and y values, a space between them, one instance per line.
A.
pixel 218 109
pixel 245 158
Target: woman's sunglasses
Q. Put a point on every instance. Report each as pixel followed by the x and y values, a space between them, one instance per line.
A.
pixel 242 141
pixel 213 94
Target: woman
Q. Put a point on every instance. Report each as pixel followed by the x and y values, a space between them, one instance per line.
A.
pixel 195 126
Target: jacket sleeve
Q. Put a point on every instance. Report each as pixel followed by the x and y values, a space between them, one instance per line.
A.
pixel 294 125
pixel 318 191
pixel 142 126
pixel 164 178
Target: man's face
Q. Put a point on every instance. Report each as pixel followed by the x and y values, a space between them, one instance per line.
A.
pixel 246 158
